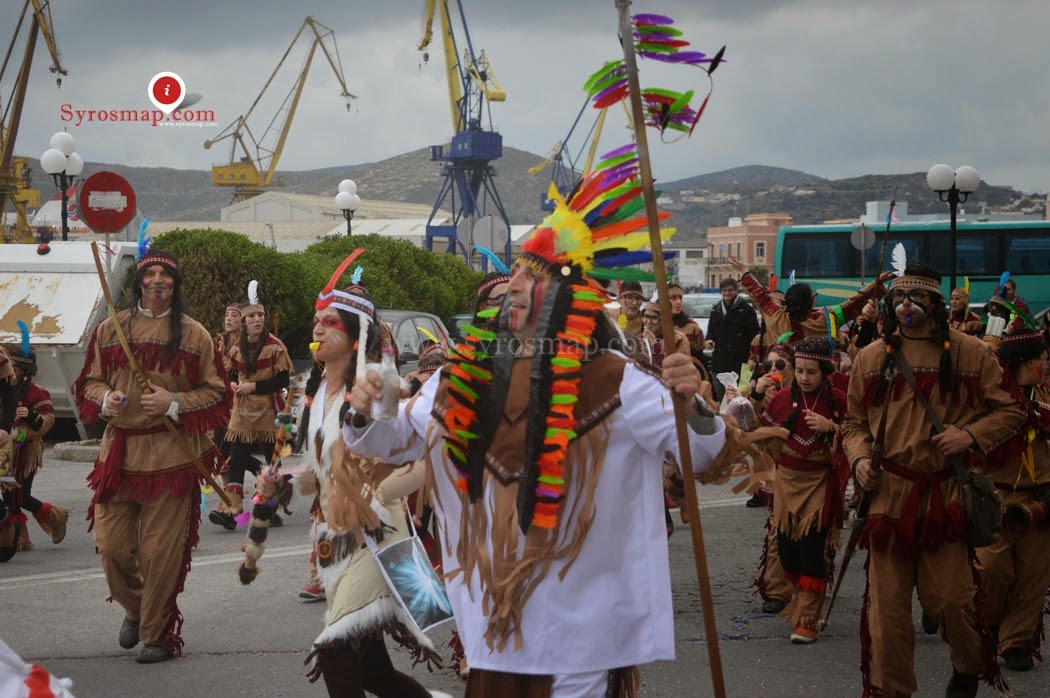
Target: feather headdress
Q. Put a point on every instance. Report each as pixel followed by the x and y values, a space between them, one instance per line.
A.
pixel 145 257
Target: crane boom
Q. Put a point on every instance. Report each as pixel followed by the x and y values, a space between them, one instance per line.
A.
pixel 14 179
pixel 257 163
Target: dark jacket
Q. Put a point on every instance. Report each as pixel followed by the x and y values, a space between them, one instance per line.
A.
pixel 731 333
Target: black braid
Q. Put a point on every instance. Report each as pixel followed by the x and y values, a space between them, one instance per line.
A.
pixel 796 398
pixel 940 316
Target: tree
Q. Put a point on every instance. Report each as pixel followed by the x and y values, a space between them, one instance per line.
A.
pixel 217 265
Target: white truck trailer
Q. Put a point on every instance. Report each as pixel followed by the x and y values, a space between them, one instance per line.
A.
pixel 59 298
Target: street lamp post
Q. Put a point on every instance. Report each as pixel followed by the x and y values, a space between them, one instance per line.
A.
pixel 953 187
pixel 64 165
pixel 348 200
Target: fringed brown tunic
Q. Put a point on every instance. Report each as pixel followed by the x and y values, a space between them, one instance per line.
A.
pixel 915 529
pixel 252 418
pixel 29 441
pixel 146 504
pixel 1015 571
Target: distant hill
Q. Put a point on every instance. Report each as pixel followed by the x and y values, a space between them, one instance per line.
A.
pixel 169 194
pixel 757 176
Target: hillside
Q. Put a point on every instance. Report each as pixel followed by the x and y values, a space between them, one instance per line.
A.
pixel 698 202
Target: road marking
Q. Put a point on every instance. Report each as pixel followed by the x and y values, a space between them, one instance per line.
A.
pixel 32 580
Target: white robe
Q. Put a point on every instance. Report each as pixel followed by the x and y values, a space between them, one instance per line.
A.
pixel 613 608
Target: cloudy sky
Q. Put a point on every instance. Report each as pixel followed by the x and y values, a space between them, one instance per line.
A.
pixel 833 88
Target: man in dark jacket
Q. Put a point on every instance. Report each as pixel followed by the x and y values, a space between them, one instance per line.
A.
pixel 732 325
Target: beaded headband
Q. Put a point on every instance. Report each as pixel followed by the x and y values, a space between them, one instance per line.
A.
pixel 924 283
pixel 162 258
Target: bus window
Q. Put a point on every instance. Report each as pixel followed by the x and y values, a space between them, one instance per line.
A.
pixel 913 250
pixel 817 255
pixel 1028 254
pixel 976 254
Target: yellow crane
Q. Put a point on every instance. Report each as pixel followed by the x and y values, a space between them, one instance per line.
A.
pixel 253 160
pixel 478 70
pixel 15 189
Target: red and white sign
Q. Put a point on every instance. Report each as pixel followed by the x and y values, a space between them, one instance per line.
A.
pixel 107 202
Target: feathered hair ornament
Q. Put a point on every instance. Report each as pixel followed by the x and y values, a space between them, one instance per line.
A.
pixel 657 39
pixel 143 240
pixel 1003 278
pixel 498 265
pixel 254 306
pixel 899 259
pixel 26 347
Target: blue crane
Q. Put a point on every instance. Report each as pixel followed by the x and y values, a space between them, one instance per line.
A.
pixel 469 189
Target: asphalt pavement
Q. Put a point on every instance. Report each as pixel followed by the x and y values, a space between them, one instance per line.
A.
pixel 252 640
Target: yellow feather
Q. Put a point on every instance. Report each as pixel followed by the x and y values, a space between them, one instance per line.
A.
pixel 632 242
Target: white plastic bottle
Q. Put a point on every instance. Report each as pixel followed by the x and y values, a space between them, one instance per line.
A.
pixel 385 409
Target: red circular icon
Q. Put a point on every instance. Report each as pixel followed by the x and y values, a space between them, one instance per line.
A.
pixel 167 91
pixel 107 202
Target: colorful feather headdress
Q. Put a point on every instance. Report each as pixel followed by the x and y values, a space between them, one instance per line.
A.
pixel 657 39
pixel 354 303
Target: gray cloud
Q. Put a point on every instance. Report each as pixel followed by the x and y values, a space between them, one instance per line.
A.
pixel 835 89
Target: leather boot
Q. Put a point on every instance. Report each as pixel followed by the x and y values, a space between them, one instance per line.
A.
pixel 53 519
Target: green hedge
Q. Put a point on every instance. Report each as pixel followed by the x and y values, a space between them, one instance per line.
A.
pixel 217 266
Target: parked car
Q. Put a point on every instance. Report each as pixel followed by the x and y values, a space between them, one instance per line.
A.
pixel 410 329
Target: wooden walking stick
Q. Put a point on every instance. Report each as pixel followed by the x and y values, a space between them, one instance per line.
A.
pixel 680 405
pixel 140 378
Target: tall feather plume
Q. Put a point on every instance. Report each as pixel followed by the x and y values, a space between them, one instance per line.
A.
pixel 1003 278
pixel 966 285
pixel 143 240
pixel 791 278
pixel 24 329
pixel 253 292
pixel 898 259
pixel 340 269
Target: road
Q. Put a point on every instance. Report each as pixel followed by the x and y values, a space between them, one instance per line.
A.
pixel 252 641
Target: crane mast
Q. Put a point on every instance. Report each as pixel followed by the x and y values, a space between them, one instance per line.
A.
pixel 15 189
pixel 469 188
pixel 252 160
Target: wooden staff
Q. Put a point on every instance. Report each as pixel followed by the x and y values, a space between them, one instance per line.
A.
pixel 140 378
pixel 680 405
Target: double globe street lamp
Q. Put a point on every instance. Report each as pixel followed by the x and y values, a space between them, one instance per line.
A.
pixel 953 187
pixel 62 162
pixel 348 200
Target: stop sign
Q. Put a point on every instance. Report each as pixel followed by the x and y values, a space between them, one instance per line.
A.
pixel 107 202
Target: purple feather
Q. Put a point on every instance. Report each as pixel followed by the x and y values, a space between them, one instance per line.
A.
pixel 618 85
pixel 623 149
pixel 652 19
pixel 242 518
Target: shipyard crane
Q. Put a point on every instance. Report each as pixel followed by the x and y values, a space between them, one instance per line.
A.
pixel 15 189
pixel 253 160
pixel 469 188
pixel 564 174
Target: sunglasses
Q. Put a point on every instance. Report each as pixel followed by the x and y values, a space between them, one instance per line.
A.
pixel 779 365
pixel 914 296
pixel 651 318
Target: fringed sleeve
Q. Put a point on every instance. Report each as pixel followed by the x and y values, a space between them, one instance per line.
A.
pixel 90 386
pixel 207 405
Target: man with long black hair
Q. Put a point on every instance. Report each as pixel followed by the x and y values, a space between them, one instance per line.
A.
pixel 146 505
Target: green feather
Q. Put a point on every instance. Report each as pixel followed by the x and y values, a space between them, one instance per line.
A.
pixel 477 371
pixel 784 337
pixel 551 431
pixel 563 399
pixel 462 387
pixel 551 480
pixel 488 312
pixel 456 453
pixel 562 362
